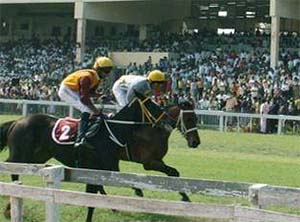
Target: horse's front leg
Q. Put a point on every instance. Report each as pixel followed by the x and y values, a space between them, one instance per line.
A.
pixel 170 171
pixel 93 189
pixel 90 189
pixel 138 192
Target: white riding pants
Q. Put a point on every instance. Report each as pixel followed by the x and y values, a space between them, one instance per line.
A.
pixel 72 98
pixel 120 94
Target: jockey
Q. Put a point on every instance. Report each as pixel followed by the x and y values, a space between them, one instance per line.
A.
pixel 78 88
pixel 123 89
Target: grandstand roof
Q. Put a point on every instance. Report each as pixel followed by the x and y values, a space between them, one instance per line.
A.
pixel 200 9
pixel 209 9
pixel 150 11
pixel 60 1
pixel 34 1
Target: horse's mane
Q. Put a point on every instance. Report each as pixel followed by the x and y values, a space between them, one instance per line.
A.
pixel 134 111
pixel 123 114
pixel 170 105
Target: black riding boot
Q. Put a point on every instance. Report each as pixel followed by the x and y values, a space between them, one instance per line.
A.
pixel 82 129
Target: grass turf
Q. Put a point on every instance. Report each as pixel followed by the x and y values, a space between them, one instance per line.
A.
pixel 258 158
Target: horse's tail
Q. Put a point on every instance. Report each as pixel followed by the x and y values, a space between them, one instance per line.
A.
pixel 5 128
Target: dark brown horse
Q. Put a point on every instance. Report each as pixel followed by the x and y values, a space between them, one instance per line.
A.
pixel 150 145
pixel 125 136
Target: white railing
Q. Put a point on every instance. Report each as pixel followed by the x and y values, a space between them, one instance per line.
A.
pixel 219 119
pixel 25 103
pixel 222 118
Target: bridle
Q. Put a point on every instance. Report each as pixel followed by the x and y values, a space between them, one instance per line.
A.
pixel 180 124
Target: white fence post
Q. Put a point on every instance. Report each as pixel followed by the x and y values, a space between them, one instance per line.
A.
pixel 71 111
pixel 16 207
pixel 251 124
pixel 254 195
pixel 24 108
pixel 221 123
pixel 53 177
pixel 280 124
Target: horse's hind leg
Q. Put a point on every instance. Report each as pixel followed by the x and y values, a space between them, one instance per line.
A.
pixel 102 191
pixel 170 171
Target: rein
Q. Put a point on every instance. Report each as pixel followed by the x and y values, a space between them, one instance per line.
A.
pixel 127 122
pixel 148 114
pixel 115 139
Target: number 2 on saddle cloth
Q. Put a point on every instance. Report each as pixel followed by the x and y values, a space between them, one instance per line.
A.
pixel 64 131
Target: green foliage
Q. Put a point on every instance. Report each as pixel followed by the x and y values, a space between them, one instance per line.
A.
pixel 8 118
pixel 270 159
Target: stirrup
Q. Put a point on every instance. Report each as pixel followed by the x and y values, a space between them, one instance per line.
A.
pixel 83 143
pixel 80 143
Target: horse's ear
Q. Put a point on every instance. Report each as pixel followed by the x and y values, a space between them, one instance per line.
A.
pixel 187 104
pixel 192 104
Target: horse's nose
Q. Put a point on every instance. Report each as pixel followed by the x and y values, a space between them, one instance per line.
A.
pixel 195 143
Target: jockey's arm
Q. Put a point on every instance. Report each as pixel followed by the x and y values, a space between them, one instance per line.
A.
pixel 85 96
pixel 95 94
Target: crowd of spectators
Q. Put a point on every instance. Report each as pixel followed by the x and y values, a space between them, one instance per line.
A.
pixel 216 72
pixel 194 42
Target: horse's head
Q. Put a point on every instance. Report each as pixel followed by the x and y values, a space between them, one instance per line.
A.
pixel 185 120
pixel 142 109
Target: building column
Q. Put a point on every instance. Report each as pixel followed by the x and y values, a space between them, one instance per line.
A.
pixel 275 29
pixel 81 29
pixel 10 29
pixel 31 28
pixel 142 32
pixel 80 39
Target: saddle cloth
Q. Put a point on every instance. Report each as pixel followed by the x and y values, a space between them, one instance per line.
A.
pixel 65 130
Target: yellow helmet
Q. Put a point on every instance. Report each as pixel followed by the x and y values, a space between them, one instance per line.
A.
pixel 102 62
pixel 156 76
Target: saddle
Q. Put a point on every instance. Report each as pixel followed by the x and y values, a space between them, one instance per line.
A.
pixel 64 131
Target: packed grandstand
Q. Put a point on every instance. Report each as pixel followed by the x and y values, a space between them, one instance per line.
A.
pixel 229 72
pixel 32 69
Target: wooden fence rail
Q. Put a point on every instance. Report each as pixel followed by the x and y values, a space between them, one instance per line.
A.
pixel 22 168
pixel 260 195
pixel 100 177
pixel 228 212
pixel 263 195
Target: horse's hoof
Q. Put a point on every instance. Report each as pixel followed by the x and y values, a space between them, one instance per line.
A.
pixel 173 172
pixel 186 199
pixel 139 193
